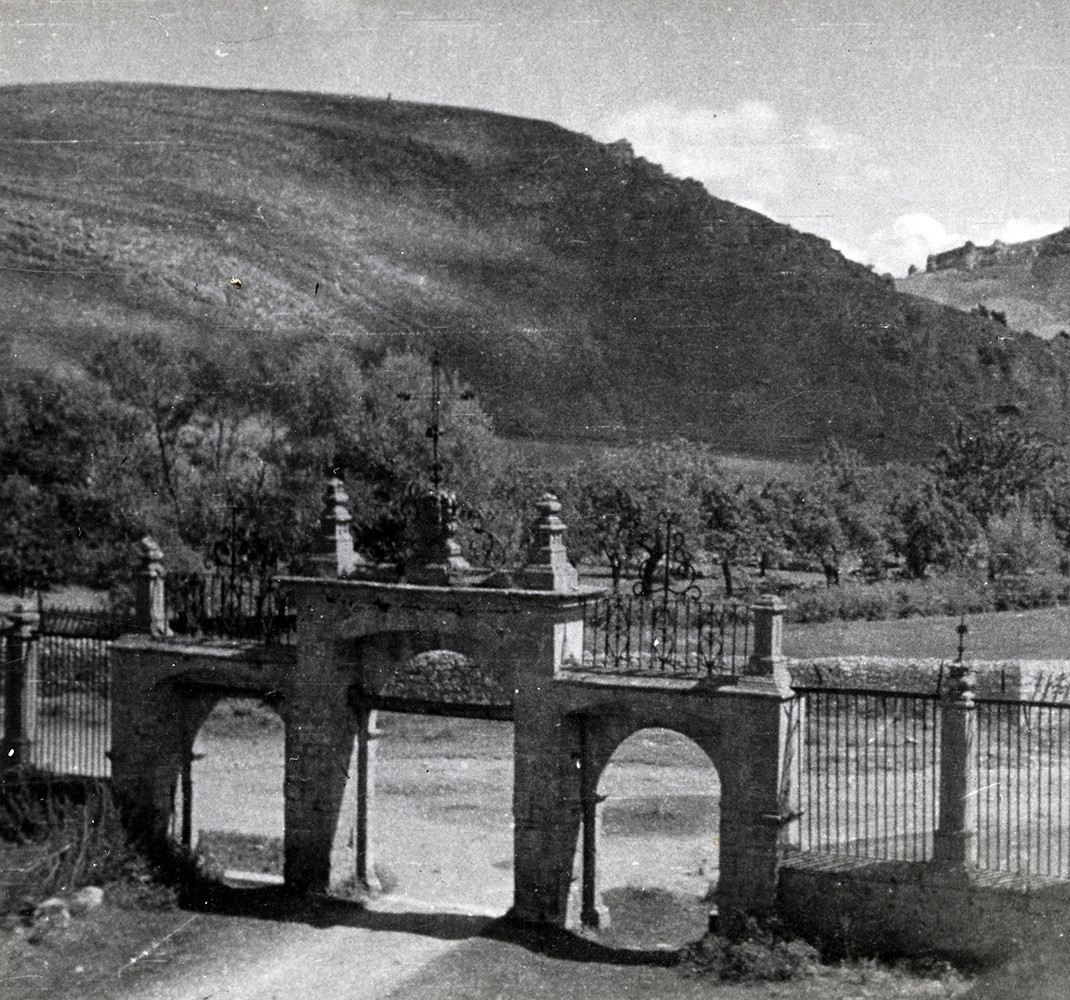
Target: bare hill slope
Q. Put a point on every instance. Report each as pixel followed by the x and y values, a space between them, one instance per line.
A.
pixel 580 290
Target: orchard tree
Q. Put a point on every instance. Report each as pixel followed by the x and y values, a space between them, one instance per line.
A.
pixel 816 532
pixel 930 528
pixel 619 503
pixel 995 465
pixel 730 526
pixel 855 495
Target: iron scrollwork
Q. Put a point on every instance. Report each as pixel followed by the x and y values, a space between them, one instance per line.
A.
pixel 672 605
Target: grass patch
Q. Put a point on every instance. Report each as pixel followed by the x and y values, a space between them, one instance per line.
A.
pixel 1039 634
pixel 224 850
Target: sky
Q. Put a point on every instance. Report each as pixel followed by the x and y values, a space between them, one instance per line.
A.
pixel 892 128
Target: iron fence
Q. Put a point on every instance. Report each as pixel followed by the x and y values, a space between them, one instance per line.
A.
pixel 72 700
pixel 868 772
pixel 231 606
pixel 679 634
pixel 1023 803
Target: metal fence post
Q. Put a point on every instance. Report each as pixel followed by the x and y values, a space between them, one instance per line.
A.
pixel 150 602
pixel 21 687
pixel 955 843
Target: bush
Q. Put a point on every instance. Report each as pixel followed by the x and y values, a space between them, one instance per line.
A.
pixel 946 595
pixel 761 955
pixel 1018 544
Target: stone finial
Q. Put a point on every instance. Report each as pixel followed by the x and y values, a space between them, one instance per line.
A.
pixel 438 554
pixel 25 618
pixel 547 566
pixel 151 554
pixel 335 555
pixel 959 685
pixel 150 600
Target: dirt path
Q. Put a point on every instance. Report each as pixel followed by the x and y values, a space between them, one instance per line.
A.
pixel 443 837
pixel 337 954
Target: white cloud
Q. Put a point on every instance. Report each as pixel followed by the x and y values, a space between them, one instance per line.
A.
pixel 909 240
pixel 913 236
pixel 800 172
pixel 739 154
pixel 807 173
pixel 1018 230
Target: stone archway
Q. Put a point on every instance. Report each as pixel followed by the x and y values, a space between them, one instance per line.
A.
pixel 648 856
pixel 231 798
pixel 523 651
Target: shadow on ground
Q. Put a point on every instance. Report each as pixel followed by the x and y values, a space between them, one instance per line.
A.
pixel 275 903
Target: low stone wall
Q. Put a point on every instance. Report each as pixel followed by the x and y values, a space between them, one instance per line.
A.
pixel 996 680
pixel 859 906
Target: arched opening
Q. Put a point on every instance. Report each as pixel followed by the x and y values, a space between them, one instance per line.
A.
pixel 657 842
pixel 229 800
pixel 440 825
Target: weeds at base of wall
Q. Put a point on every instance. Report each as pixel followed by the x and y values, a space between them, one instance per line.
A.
pixel 57 843
pixel 761 954
pixel 765 953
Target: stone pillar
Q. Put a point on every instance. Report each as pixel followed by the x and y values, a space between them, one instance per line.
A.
pixel 547 566
pixel 21 682
pixel 367 735
pixel 438 553
pixel 547 776
pixel 319 750
pixel 955 843
pixel 767 659
pixel 335 555
pixel 150 602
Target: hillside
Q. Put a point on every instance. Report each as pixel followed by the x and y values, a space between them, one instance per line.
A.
pixel 580 290
pixel 1028 282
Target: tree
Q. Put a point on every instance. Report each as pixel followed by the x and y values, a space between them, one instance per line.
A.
pixel 816 532
pixel 64 485
pixel 994 465
pixel 619 505
pixel 730 526
pixel 930 528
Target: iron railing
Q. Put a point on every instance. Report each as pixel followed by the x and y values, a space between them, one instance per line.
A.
pixel 229 606
pixel 1023 800
pixel 679 634
pixel 868 772
pixel 72 699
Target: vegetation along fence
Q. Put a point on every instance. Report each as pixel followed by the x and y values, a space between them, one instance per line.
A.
pixel 681 634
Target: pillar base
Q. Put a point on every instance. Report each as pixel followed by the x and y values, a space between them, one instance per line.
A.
pixel 595 917
pixel 955 849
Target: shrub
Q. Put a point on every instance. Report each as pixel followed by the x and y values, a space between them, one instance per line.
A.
pixel 761 955
pixel 945 595
pixel 1017 544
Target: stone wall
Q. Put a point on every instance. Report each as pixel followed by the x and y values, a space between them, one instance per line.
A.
pixel 995 680
pixel 859 906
